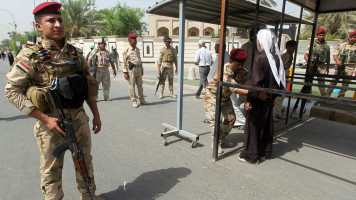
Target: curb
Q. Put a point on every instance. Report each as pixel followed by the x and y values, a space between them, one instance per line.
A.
pixel 330 112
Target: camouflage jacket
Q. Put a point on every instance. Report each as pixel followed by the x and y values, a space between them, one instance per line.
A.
pixel 322 49
pixel 167 57
pixel 133 55
pixel 229 77
pixel 349 50
pixel 30 69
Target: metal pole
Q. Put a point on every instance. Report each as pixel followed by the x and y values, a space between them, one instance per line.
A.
pixel 224 6
pixel 310 53
pixel 295 59
pixel 181 63
pixel 282 21
pixel 255 31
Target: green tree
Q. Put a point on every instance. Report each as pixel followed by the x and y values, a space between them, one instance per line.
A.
pixel 269 3
pixel 337 25
pixel 122 20
pixel 80 18
pixel 5 43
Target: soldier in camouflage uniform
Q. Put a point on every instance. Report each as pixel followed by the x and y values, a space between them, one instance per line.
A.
pixel 134 74
pixel 167 57
pixel 234 73
pixel 36 67
pixel 91 50
pixel 349 50
pixel 287 59
pixel 103 61
pixel 323 49
pixel 115 56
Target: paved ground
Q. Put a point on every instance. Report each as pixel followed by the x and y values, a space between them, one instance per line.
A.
pixel 315 159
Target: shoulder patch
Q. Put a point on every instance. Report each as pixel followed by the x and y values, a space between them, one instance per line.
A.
pixel 24 68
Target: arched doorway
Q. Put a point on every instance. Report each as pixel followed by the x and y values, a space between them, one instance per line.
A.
pixel 193 32
pixel 161 32
pixel 208 31
pixel 176 31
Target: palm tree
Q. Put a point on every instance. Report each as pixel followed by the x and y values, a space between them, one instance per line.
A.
pixel 79 17
pixel 340 23
pixel 269 3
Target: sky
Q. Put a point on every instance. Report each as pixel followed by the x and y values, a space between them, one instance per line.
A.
pixel 21 11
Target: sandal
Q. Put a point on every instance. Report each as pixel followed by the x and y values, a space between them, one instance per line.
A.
pixel 206 121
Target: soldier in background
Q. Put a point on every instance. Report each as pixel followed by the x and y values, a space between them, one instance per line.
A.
pixel 103 62
pixel 133 71
pixel 322 48
pixel 248 47
pixel 33 69
pixel 91 50
pixel 347 49
pixel 115 56
pixel 167 57
pixel 287 59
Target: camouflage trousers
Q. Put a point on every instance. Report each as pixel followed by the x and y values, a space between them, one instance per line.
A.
pixel 321 70
pixel 227 111
pixel 168 71
pixel 103 75
pixel 349 69
pixel 117 64
pixel 135 79
pixel 51 168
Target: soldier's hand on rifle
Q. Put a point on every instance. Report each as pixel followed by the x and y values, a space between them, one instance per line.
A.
pixel 52 124
pixel 126 75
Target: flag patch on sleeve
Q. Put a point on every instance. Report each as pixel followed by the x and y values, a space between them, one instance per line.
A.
pixel 22 67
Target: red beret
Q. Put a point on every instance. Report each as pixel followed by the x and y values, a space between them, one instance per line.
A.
pixel 132 35
pixel 47 8
pixel 352 33
pixel 320 31
pixel 239 55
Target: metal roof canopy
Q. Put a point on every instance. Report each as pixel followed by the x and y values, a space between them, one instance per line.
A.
pixel 240 13
pixel 327 6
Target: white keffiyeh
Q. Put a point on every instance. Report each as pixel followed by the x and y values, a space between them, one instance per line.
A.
pixel 268 43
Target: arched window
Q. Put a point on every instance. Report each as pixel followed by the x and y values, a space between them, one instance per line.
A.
pixel 161 32
pixel 208 31
pixel 176 31
pixel 193 32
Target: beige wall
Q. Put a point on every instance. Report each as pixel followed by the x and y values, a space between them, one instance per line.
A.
pixel 155 22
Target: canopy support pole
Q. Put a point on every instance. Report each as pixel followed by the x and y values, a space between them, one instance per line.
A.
pixel 168 129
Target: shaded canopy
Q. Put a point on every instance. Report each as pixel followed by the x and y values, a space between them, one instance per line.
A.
pixel 240 13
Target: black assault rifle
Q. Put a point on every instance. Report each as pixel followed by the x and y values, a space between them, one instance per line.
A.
pixel 339 70
pixel 93 65
pixel 70 140
pixel 308 79
pixel 160 79
pixel 342 68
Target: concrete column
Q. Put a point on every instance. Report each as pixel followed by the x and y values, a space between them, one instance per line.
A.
pixel 191 74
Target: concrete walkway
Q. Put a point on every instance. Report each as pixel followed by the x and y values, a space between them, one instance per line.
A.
pixel 314 159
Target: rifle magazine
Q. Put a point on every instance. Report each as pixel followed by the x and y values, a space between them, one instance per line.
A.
pixel 60 149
